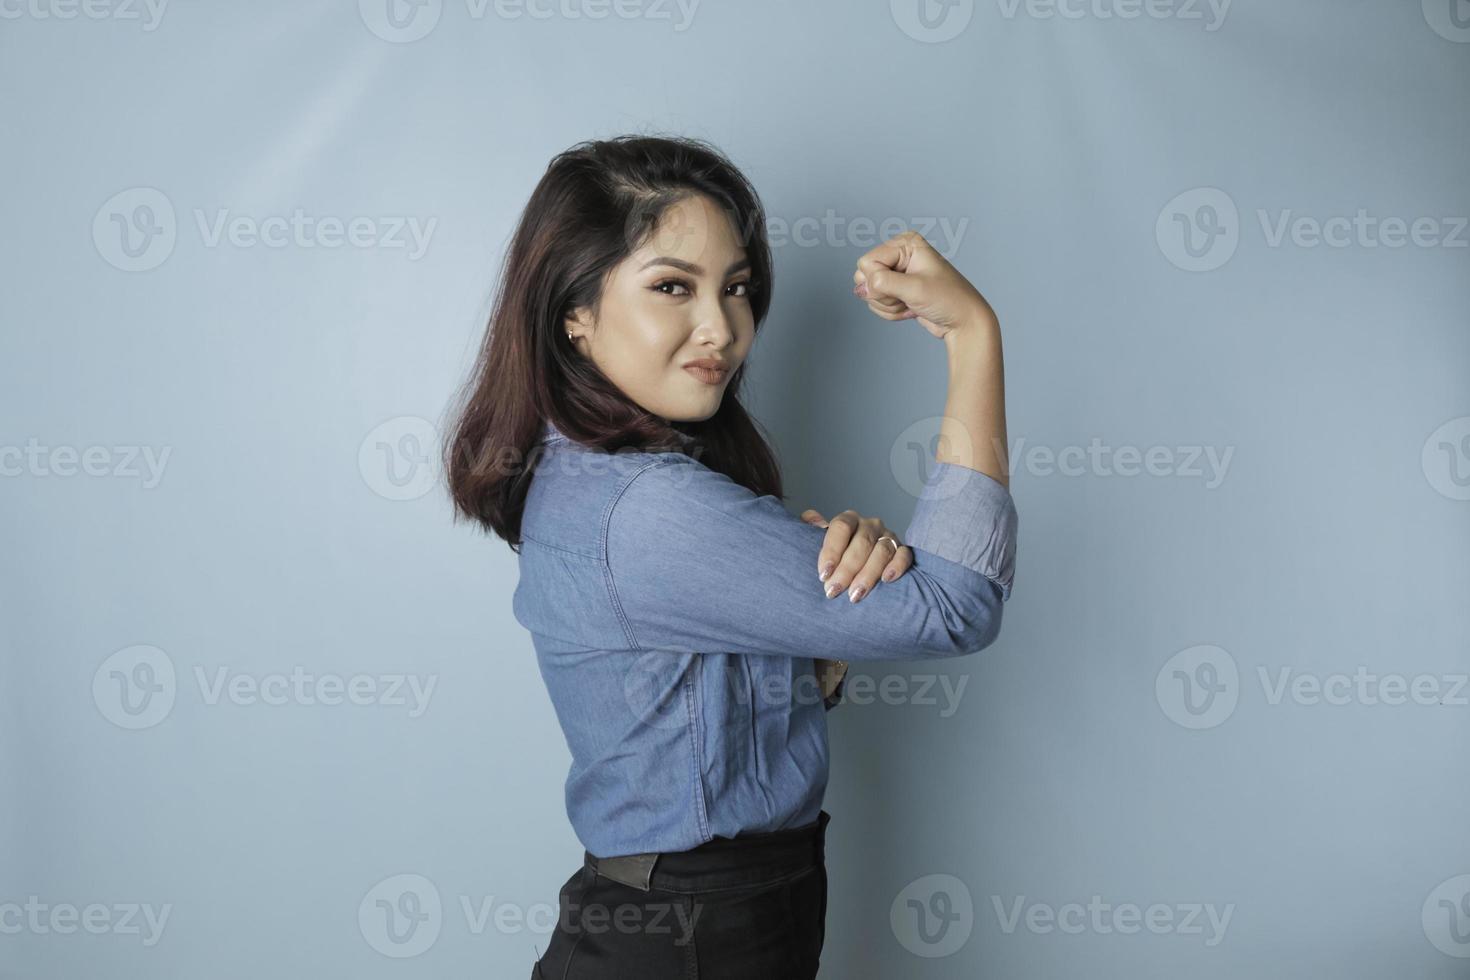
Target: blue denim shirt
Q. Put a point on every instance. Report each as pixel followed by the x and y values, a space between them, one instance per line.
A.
pixel 675 616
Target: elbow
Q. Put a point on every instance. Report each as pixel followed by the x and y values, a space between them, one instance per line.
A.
pixel 987 631
pixel 964 628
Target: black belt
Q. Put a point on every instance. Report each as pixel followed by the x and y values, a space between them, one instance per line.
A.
pixel 793 847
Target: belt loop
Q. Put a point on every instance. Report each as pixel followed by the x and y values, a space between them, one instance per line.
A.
pixel 589 868
pixel 633 870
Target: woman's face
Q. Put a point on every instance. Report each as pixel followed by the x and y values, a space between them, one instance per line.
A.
pixel 680 298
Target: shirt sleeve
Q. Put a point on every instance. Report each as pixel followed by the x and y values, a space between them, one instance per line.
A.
pixel 695 562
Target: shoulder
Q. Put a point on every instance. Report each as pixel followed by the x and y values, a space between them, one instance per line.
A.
pixel 676 505
pixel 573 492
pixel 673 486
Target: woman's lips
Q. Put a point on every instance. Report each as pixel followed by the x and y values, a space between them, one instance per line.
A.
pixel 709 376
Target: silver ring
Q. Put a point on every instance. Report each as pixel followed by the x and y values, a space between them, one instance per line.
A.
pixel 890 539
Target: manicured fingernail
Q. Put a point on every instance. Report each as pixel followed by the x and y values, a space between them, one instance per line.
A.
pixel 857 593
pixel 888 576
pixel 833 589
pixel 826 570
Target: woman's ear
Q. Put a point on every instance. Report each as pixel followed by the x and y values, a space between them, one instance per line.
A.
pixel 577 323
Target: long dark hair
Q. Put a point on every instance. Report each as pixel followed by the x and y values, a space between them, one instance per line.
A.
pixel 597 202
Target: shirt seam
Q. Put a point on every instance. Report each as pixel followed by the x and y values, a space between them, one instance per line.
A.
pixel 696 754
pixel 553 547
pixel 607 576
pixel 692 730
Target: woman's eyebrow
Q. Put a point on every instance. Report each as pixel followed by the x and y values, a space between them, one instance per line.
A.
pixel 692 268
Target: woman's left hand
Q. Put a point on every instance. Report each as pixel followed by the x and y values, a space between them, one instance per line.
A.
pixel 853 555
pixel 857 553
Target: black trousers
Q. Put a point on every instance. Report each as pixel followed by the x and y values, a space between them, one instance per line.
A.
pixel 751 907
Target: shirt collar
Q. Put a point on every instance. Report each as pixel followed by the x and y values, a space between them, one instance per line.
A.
pixel 551 434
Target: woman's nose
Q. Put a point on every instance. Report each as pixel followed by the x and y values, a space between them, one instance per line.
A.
pixel 715 325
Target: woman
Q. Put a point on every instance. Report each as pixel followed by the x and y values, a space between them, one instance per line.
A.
pixel 667 589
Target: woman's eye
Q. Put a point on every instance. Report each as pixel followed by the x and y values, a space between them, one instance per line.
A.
pixel 677 287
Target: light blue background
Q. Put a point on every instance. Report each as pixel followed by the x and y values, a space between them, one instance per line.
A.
pixel 1336 541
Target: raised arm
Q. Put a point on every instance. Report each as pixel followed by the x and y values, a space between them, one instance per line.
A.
pixel 698 563
pixel 906 279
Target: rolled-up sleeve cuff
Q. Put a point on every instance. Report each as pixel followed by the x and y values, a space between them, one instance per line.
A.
pixel 969 518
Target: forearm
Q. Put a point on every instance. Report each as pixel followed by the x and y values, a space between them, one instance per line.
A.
pixel 973 432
